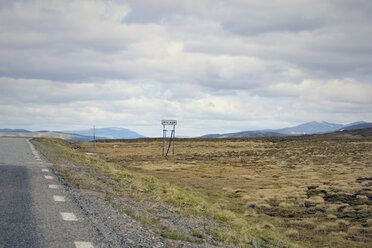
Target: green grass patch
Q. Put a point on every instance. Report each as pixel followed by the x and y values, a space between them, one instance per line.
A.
pixel 180 237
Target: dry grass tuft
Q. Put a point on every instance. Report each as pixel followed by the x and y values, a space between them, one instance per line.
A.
pixel 314 200
pixel 338 234
pixel 250 213
pixel 331 216
pixel 342 223
pixel 267 225
pixel 286 205
pixel 362 197
pixel 356 229
pixel 293 234
pixel 321 228
pixel 369 222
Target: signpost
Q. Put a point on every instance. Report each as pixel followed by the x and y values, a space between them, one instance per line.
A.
pixel 171 139
pixel 169 122
pixel 94 137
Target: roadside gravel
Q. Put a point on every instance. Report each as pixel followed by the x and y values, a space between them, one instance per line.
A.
pixel 115 228
pixel 122 221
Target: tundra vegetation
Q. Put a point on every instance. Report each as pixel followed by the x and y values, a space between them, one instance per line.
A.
pixel 305 191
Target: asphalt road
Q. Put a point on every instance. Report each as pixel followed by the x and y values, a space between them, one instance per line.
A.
pixel 35 210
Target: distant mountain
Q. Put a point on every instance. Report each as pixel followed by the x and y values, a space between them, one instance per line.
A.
pixel 356 126
pixel 79 135
pixel 364 132
pixel 252 134
pixel 44 134
pixel 355 123
pixel 108 133
pixel 313 127
pixel 208 136
pixel 9 130
pixel 244 134
pixel 309 128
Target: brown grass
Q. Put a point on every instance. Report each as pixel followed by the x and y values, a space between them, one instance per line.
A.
pixel 313 188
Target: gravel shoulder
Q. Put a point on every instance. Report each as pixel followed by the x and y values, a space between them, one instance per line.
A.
pixel 122 220
pixel 115 228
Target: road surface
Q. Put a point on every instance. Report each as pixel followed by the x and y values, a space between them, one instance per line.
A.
pixel 39 209
pixel 35 210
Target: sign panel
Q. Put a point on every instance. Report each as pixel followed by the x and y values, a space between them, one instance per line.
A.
pixel 169 122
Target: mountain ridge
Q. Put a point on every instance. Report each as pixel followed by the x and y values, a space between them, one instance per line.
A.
pixel 108 133
pixel 356 126
pixel 252 134
pixel 313 127
pixel 11 130
pixel 80 135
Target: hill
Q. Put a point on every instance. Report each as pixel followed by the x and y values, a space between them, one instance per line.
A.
pixel 357 126
pixel 9 130
pixel 215 135
pixel 363 132
pixel 78 135
pixel 313 127
pixel 252 134
pixel 355 123
pixel 107 133
pixel 45 134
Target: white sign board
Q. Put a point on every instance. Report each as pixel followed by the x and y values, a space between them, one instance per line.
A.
pixel 169 122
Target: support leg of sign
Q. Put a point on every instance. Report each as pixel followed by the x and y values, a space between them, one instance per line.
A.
pixel 94 137
pixel 174 135
pixel 164 137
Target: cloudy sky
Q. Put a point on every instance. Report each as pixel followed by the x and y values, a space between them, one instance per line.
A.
pixel 214 65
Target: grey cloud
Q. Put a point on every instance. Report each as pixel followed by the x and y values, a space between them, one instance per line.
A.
pixel 47 44
pixel 26 91
pixel 237 16
pixel 232 60
pixel 150 11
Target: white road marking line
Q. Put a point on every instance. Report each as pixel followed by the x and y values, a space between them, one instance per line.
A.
pixel 48 177
pixel 38 159
pixel 53 186
pixel 44 170
pixel 68 216
pixel 80 244
pixel 59 198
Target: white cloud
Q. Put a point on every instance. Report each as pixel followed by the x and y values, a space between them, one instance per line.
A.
pixel 235 65
pixel 38 91
pixel 347 91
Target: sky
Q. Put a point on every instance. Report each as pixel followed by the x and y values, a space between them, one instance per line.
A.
pixel 215 66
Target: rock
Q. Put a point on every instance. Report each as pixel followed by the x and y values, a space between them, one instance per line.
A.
pixel 255 244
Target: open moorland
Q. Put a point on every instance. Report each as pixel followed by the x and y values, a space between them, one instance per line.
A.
pixel 305 191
